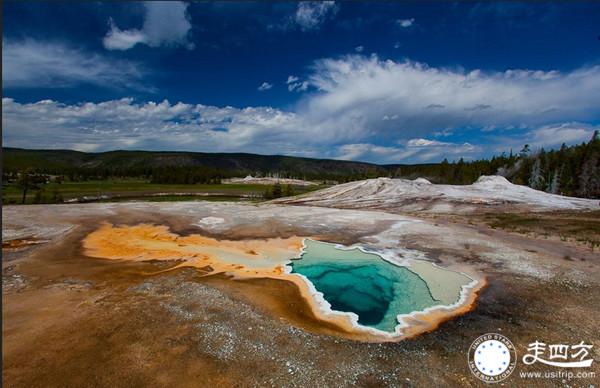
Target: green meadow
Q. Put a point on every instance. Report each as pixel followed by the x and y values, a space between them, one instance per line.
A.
pixel 136 189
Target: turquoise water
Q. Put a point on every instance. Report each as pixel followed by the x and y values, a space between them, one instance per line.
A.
pixel 363 283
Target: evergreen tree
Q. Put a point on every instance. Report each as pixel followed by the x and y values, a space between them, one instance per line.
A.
pixel 524 153
pixel 445 169
pixel 589 179
pixel 459 174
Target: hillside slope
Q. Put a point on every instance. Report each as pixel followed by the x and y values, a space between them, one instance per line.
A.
pixel 232 164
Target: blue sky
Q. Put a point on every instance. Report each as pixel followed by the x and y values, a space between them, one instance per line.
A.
pixel 391 82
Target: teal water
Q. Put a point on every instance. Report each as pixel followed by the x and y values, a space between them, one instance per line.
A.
pixel 363 283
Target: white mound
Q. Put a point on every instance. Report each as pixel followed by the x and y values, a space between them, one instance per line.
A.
pixel 492 180
pixel 269 181
pixel 422 181
pixel 420 194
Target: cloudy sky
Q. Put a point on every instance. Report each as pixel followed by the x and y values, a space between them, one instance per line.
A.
pixel 386 82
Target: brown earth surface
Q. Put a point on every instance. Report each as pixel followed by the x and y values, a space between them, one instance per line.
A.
pixel 73 320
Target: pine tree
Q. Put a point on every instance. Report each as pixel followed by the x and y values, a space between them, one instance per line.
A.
pixel 589 179
pixel 524 153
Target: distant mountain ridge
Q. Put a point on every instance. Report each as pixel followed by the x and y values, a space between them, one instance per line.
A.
pixel 231 164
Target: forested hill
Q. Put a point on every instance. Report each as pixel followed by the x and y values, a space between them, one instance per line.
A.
pixel 573 170
pixel 149 163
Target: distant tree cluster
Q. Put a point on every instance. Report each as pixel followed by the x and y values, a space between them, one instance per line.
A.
pixel 276 191
pixel 572 171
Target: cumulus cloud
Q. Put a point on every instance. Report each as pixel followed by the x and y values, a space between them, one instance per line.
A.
pixel 359 107
pixel 30 63
pixel 310 15
pixel 125 124
pixel 357 92
pixel 405 23
pixel 166 23
pixel 265 86
pixel 359 49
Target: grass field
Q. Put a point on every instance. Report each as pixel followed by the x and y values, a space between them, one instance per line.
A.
pixel 136 189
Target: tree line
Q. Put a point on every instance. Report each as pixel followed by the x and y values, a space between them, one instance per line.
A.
pixel 570 170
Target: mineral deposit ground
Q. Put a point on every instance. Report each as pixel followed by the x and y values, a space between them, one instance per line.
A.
pixel 201 294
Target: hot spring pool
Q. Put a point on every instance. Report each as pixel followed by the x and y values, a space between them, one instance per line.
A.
pixel 363 283
pixel 366 289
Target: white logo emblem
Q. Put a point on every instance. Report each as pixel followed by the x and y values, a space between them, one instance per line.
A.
pixel 492 357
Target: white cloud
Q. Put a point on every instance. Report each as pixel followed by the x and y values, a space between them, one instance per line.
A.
pixel 265 86
pixel 405 23
pixel 295 85
pixel 359 49
pixel 424 143
pixel 425 149
pixel 31 63
pixel 117 39
pixel 556 134
pixel 355 92
pixel 310 15
pixel 125 124
pixel 355 101
pixel 548 136
pixel 166 23
pixel 298 86
pixel 416 150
